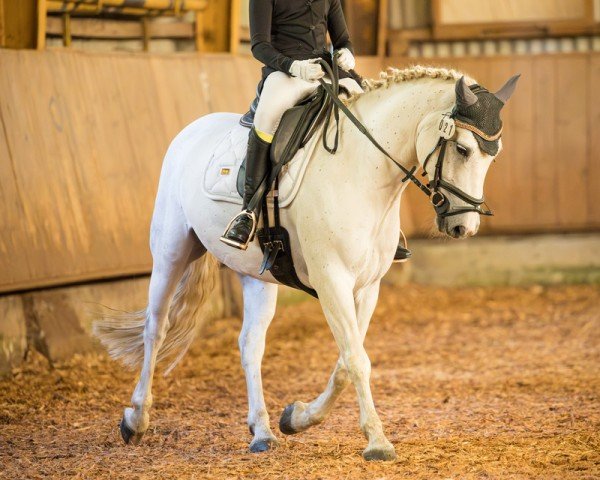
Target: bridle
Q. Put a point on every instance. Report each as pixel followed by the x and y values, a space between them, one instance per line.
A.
pixel 433 189
pixel 440 202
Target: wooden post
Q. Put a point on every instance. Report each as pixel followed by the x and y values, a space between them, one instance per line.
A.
pixel 41 25
pixel 146 33
pixel 199 31
pixel 382 28
pixel 2 40
pixel 234 27
pixel 67 30
pixel 18 22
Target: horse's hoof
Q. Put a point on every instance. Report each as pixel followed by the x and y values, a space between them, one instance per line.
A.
pixel 285 422
pixel 381 454
pixel 128 435
pixel 262 445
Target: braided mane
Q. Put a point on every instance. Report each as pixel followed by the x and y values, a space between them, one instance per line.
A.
pixel 395 75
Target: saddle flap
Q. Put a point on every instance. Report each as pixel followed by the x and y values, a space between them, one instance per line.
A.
pixel 295 124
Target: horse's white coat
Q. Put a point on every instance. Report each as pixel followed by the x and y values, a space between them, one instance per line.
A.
pixel 344 227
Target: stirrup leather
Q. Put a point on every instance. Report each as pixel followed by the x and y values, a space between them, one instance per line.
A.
pixel 233 243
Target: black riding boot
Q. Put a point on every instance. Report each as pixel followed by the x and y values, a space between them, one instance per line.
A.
pixel 402 251
pixel 402 254
pixel 240 231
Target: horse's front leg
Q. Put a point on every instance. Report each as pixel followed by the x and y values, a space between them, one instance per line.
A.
pixel 300 416
pixel 335 286
pixel 260 299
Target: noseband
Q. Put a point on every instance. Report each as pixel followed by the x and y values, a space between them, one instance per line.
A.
pixel 433 190
pixel 440 202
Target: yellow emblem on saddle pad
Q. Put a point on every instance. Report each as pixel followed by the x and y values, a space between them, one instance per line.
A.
pixel 225 171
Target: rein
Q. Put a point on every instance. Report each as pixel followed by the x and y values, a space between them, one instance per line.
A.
pixel 439 201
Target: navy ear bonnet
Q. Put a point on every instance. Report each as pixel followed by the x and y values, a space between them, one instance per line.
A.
pixel 484 115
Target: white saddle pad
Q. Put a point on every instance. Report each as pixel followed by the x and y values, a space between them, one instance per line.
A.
pixel 220 179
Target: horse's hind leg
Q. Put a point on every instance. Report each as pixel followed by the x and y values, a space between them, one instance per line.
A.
pixel 171 256
pixel 300 416
pixel 260 299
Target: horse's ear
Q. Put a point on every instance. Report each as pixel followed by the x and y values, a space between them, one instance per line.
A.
pixel 464 96
pixel 507 90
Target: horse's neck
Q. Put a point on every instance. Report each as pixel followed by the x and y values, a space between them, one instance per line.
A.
pixel 393 116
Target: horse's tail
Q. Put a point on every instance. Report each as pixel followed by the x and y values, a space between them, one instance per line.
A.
pixel 122 333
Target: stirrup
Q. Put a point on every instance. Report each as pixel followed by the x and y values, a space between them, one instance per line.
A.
pixel 406 251
pixel 233 243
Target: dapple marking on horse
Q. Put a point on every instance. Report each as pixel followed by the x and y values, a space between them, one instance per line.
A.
pixel 344 225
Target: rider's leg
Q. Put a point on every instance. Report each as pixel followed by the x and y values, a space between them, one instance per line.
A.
pixel 241 229
pixel 280 92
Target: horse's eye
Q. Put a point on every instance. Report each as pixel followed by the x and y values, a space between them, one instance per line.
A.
pixel 464 151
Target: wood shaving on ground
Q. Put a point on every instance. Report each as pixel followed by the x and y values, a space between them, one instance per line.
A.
pixel 470 383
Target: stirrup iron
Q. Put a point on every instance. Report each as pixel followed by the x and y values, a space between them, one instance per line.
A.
pixel 233 243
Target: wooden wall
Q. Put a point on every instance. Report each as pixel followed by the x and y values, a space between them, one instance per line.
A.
pixel 82 138
pixel 81 143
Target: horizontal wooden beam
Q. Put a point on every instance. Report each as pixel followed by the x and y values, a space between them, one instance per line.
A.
pixel 127 7
pixel 120 29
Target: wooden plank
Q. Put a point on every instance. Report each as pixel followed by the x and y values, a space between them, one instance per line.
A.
pixel 593 135
pixel 2 28
pixel 199 31
pixel 130 7
pixel 216 38
pixel 512 18
pixel 455 12
pixel 234 27
pixel 13 228
pixel 382 28
pixel 102 28
pixel 362 19
pixel 545 159
pixel 518 115
pixel 20 23
pixel 42 24
pixel 571 140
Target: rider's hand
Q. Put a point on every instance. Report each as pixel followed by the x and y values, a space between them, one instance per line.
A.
pixel 308 70
pixel 345 59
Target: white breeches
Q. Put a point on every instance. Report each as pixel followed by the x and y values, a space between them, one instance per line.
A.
pixel 281 92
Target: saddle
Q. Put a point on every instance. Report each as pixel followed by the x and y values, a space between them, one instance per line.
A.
pixel 297 127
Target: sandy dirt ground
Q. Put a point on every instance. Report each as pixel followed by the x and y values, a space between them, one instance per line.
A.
pixel 470 383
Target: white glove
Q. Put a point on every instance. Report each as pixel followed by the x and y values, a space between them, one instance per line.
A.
pixel 308 70
pixel 345 59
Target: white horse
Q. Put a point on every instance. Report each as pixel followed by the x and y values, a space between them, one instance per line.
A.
pixel 344 226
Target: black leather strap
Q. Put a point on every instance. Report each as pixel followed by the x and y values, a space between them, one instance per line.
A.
pixel 340 105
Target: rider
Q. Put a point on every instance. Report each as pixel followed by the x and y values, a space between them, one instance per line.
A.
pixel 288 37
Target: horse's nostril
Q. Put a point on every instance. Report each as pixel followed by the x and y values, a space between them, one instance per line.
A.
pixel 459 231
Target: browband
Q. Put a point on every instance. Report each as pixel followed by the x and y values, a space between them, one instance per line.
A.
pixel 475 130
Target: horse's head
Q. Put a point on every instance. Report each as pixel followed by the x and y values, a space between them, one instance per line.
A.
pixel 466 139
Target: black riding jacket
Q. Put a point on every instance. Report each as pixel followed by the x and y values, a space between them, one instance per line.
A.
pixel 286 30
